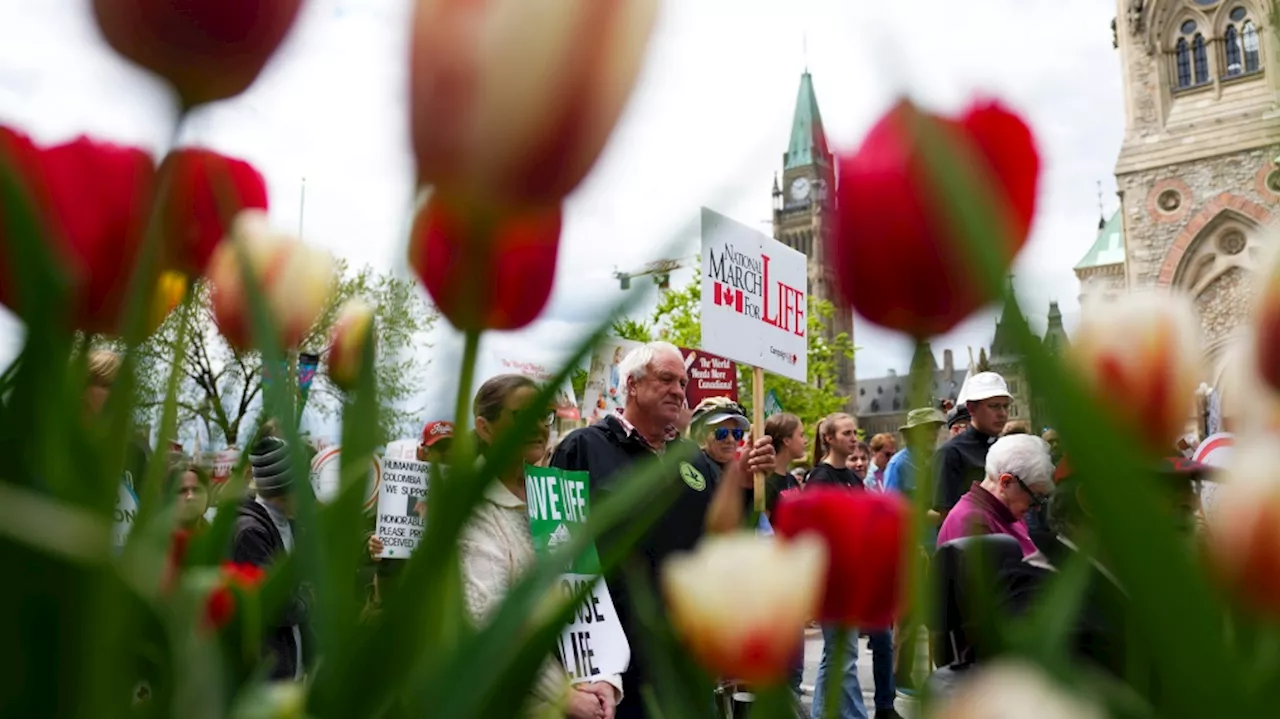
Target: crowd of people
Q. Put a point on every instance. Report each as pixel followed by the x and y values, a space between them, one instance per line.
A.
pixel 989 477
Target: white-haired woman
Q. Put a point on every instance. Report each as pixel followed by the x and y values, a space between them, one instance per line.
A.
pixel 1019 476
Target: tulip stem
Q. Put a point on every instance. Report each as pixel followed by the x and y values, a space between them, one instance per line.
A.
pixel 831 690
pixel 470 352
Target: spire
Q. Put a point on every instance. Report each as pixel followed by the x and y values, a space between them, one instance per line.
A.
pixel 808 145
pixel 1055 335
pixel 1003 344
pixel 1102 214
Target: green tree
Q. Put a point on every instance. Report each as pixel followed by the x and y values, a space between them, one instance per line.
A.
pixel 678 319
pixel 220 388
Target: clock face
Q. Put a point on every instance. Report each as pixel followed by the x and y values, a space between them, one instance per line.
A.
pixel 800 188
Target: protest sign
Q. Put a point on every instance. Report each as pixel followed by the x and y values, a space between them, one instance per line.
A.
pixel 566 402
pixel 605 390
pixel 402 506
pixel 754 298
pixel 326 480
pixel 592 645
pixel 709 376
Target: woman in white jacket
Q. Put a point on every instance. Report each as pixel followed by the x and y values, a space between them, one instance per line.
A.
pixel 496 547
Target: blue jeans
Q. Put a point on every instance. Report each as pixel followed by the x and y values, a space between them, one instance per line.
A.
pixel 881 643
pixel 850 701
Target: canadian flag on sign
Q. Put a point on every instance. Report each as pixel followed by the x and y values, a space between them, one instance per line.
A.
pixel 727 296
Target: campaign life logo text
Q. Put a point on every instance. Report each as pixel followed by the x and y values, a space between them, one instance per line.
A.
pixel 742 283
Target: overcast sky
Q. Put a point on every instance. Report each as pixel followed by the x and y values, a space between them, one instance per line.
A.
pixel 707 125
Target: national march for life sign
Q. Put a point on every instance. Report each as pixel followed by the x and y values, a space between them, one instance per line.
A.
pixel 754 298
pixel 402 506
pixel 593 644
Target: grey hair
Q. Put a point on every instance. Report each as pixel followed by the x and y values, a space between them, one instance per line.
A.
pixel 636 364
pixel 1026 457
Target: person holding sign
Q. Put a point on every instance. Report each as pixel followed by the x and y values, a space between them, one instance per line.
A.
pixel 654 378
pixel 496 547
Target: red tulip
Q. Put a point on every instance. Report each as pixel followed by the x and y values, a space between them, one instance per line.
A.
pixel 207 49
pixel 889 215
pixel 866 537
pixel 92 199
pixel 204 191
pixel 514 99
pixel 220 605
pixel 485 267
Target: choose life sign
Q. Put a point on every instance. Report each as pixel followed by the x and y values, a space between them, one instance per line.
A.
pixel 754 298
pixel 592 645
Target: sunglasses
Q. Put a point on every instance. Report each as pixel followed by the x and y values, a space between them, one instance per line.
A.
pixel 549 417
pixel 723 433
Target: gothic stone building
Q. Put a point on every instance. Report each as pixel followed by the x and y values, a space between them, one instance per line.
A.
pixel 804 212
pixel 1197 173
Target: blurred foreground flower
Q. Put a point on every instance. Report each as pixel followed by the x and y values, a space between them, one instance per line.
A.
pixel 1267 335
pixel 220 605
pixel 514 99
pixel 294 278
pixel 352 331
pixel 1244 528
pixel 170 290
pixel 1142 359
pixel 741 601
pixel 1013 690
pixel 91 200
pixel 890 214
pixel 866 537
pixel 485 267
pixel 204 192
pixel 207 49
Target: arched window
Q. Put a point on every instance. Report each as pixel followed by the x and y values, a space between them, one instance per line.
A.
pixel 1183 62
pixel 1200 58
pixel 1232 41
pixel 1252 60
pixel 1241 44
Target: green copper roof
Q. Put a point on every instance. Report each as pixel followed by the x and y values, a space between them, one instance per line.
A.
pixel 1108 249
pixel 808 143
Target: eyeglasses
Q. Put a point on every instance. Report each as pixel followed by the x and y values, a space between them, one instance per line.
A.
pixel 1037 500
pixel 722 433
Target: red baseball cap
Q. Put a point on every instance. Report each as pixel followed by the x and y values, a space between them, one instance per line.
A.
pixel 436 431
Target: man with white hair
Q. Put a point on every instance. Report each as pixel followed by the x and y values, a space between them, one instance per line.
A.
pixel 1019 476
pixel 653 379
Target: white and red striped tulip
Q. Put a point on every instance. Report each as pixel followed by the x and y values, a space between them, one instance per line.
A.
pixel 295 279
pixel 741 601
pixel 513 100
pixel 1244 543
pixel 351 333
pixel 1142 360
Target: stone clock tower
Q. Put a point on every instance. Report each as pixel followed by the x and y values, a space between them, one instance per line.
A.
pixel 803 213
pixel 1197 172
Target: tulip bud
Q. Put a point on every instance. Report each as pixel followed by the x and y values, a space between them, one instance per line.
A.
pixel 170 290
pixel 1014 689
pixel 220 604
pixel 889 215
pixel 207 49
pixel 351 332
pixel 514 99
pixel 1142 359
pixel 295 279
pixel 90 200
pixel 741 601
pixel 866 536
pixel 204 192
pixel 485 267
pixel 1242 536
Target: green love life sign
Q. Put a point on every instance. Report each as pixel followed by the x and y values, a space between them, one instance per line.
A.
pixel 559 503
